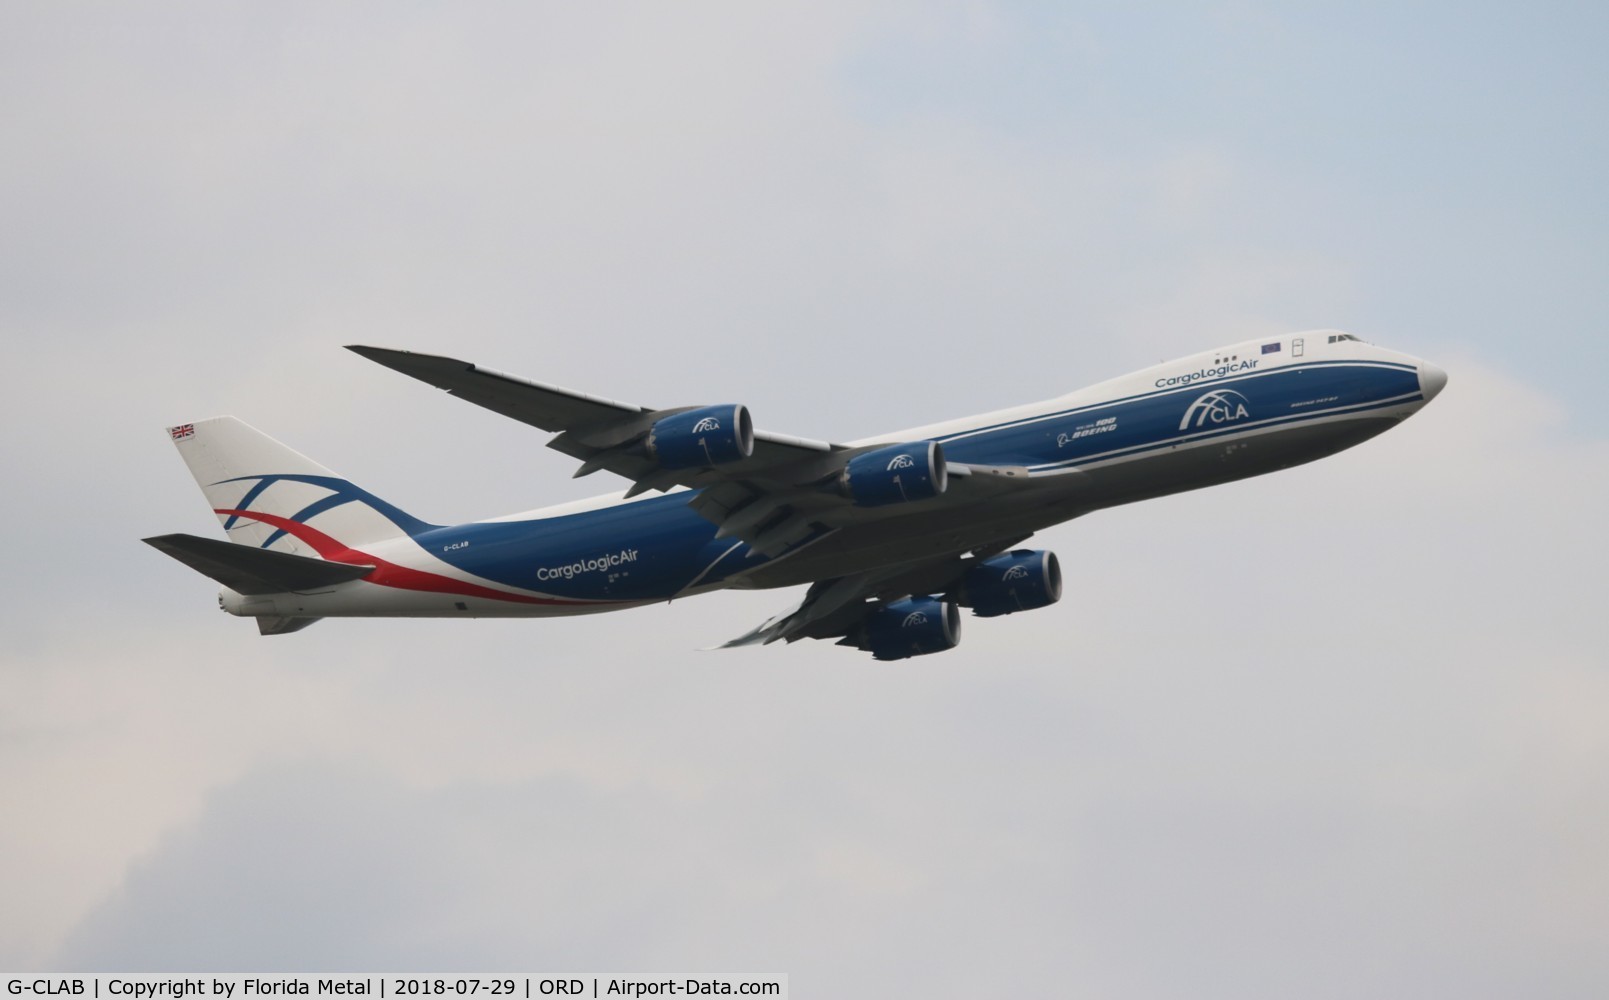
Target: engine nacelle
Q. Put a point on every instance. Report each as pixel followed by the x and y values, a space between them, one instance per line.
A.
pixel 709 435
pixel 914 626
pixel 896 474
pixel 1020 580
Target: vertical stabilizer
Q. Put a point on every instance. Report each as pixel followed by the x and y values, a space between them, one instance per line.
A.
pixel 269 496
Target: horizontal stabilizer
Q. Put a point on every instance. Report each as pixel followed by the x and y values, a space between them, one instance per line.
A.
pixel 248 570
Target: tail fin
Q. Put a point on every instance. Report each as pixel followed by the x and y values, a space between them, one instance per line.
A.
pixel 268 496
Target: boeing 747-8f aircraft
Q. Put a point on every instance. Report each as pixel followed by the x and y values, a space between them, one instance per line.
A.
pixel 894 534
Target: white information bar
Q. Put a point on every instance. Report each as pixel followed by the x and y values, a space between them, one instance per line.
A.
pixel 383 986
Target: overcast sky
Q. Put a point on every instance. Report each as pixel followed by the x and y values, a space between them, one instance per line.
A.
pixel 1336 732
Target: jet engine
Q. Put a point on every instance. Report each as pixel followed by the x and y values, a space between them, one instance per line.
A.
pixel 709 435
pixel 896 474
pixel 1020 580
pixel 914 626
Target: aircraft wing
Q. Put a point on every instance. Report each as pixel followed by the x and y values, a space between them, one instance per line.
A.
pixel 776 498
pixel 837 607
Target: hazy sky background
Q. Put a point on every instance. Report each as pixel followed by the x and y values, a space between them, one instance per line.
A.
pixel 1336 732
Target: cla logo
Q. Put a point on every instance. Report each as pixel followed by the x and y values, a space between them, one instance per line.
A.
pixel 1015 573
pixel 913 619
pixel 902 462
pixel 706 425
pixel 1221 406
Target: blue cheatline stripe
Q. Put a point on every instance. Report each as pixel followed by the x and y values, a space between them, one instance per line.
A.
pixel 1226 431
pixel 245 501
pixel 309 512
pixel 1024 421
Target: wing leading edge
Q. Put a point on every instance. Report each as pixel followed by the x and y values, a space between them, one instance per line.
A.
pixel 598 431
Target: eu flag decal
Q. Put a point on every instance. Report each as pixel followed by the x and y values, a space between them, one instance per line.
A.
pixel 1271 348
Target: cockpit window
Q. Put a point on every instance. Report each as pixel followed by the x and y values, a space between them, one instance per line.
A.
pixel 1335 337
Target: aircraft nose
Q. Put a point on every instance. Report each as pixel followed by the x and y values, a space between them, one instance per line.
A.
pixel 1431 380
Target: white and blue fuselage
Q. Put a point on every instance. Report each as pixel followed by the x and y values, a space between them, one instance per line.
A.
pixel 1210 418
